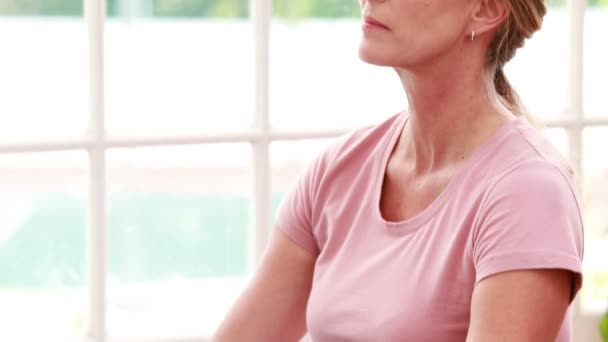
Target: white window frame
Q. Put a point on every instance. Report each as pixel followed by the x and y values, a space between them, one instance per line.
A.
pixel 259 137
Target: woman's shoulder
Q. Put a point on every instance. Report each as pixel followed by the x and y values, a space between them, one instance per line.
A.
pixel 362 141
pixel 526 156
pixel 540 147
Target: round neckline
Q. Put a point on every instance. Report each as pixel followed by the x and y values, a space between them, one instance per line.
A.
pixel 413 223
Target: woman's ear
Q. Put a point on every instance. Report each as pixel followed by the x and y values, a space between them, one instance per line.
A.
pixel 488 15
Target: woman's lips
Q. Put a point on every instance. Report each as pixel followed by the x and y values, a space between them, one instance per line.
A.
pixel 370 22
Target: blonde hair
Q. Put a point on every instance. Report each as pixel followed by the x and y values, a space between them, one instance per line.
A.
pixel 523 19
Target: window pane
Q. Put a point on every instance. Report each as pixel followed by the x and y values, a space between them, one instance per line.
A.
pixel 43 72
pixel 539 71
pixel 595 202
pixel 595 57
pixel 178 238
pixel 317 79
pixel 42 246
pixel 176 75
pixel 288 160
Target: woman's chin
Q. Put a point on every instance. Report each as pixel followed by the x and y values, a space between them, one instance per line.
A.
pixel 373 56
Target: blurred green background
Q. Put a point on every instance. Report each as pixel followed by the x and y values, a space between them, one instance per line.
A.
pixel 204 8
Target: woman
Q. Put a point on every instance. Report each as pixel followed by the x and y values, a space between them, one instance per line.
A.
pixel 452 221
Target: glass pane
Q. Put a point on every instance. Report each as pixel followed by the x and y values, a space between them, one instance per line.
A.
pixel 596 54
pixel 178 238
pixel 317 79
pixel 288 159
pixel 539 71
pixel 42 246
pixel 167 74
pixel 595 202
pixel 44 70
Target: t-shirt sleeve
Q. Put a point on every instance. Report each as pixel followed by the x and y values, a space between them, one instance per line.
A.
pixel 294 216
pixel 530 220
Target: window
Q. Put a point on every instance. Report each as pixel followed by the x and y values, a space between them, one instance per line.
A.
pixel 143 154
pixel 593 159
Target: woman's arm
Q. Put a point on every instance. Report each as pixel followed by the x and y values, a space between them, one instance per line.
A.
pixel 273 306
pixel 520 306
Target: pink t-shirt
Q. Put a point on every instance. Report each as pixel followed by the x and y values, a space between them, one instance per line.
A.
pixel 512 206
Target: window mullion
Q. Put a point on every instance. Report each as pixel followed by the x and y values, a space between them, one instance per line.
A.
pixel 575 80
pixel 260 18
pixel 576 11
pixel 95 13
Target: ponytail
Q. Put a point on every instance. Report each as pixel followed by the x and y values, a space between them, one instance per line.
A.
pixel 507 93
pixel 525 17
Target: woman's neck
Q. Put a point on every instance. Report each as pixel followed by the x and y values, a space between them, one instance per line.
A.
pixel 450 115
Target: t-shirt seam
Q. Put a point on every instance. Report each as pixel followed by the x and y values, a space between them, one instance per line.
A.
pixel 485 265
pixel 296 237
pixel 561 172
pixel 496 180
pixel 542 252
pixel 382 163
pixel 327 157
